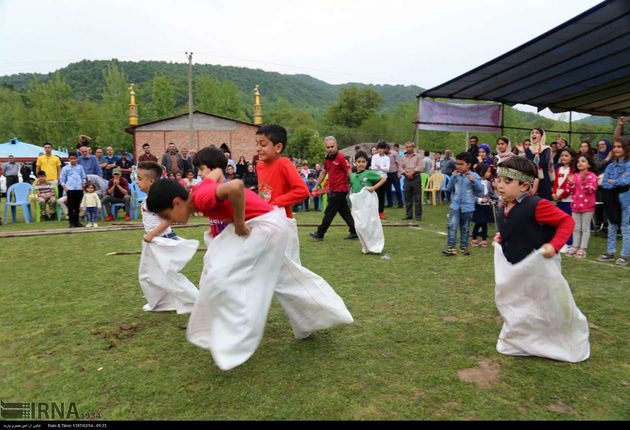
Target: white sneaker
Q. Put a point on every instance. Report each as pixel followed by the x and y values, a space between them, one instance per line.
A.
pixel 94 224
pixel 89 224
pixel 564 249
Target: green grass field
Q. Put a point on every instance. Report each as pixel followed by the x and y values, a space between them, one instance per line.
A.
pixel 72 329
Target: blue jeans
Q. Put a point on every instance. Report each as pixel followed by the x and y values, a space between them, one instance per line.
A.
pixel 456 219
pixel 625 234
pixel 91 214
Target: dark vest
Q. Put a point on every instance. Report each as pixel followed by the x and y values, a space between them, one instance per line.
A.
pixel 520 233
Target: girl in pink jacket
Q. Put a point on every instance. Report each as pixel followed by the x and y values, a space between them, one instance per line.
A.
pixel 583 186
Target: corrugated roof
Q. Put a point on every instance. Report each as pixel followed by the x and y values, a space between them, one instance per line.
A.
pixel 582 65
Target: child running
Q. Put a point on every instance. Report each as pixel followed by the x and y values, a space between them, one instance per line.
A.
pixel 539 313
pixel 243 267
pixel 163 256
pixel 365 205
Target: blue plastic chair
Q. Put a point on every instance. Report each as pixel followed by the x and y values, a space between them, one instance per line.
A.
pixel 17 195
pixel 137 197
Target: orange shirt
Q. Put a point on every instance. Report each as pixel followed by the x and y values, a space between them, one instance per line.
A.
pixel 283 181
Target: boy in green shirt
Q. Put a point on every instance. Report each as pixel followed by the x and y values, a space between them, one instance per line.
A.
pixel 365 205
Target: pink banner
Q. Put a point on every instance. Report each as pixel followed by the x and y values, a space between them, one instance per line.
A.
pixel 443 116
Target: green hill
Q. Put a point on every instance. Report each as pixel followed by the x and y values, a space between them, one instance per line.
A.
pixel 303 91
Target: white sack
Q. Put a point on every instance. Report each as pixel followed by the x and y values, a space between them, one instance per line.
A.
pixel 237 283
pixel 366 221
pixel 164 287
pixel 540 317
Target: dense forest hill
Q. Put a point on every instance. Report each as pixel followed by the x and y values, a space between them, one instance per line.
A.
pixel 91 97
pixel 302 91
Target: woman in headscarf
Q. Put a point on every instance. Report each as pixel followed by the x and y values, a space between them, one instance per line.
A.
pixel 484 155
pixel 504 150
pixel 540 154
pixel 603 156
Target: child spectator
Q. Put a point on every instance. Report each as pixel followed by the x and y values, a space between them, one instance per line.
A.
pixel 163 255
pixel 539 313
pixel 310 184
pixel 464 185
pixel 45 195
pixel 616 197
pixel 561 192
pixel 380 164
pixel 583 187
pixel 484 207
pixel 366 222
pixel 189 182
pixel 72 180
pixel 243 267
pixel 91 204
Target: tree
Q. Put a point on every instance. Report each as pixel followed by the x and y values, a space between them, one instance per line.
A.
pixel 11 110
pixel 207 94
pixel 51 114
pixel 163 96
pixel 353 106
pixel 115 110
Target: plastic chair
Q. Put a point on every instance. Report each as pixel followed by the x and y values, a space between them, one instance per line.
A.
pixel 434 186
pixel 137 197
pixel 17 195
pixel 37 207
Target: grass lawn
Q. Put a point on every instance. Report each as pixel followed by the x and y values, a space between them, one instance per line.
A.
pixel 72 329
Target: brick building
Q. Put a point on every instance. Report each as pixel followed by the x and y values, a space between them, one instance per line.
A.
pixel 208 130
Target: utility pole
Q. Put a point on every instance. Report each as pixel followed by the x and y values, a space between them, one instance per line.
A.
pixel 189 55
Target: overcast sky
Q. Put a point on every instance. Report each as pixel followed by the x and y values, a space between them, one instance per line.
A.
pixel 420 42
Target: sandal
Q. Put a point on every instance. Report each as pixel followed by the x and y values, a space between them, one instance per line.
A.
pixel 580 253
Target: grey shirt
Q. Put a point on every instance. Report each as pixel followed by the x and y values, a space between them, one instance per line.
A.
pixel 11 169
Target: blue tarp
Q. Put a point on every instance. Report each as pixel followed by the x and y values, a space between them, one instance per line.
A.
pixel 23 151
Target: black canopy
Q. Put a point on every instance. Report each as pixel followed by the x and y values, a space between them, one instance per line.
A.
pixel 582 65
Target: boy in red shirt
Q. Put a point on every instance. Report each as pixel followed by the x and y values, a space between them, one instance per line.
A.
pixel 278 180
pixel 243 266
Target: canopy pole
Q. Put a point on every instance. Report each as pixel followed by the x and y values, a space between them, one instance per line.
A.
pixel 502 119
pixel 570 127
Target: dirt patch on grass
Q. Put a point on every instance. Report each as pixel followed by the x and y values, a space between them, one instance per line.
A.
pixel 483 376
pixel 113 335
pixel 449 318
pixel 560 408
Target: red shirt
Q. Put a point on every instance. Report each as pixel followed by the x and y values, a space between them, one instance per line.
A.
pixel 337 169
pixel 282 179
pixel 205 198
pixel 548 214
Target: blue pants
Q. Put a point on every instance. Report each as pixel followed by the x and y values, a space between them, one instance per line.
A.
pixel 91 214
pixel 625 234
pixel 457 218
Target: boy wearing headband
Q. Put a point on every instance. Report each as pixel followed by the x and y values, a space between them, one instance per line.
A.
pixel 525 222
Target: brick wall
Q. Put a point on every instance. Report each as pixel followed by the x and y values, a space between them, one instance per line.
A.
pixel 241 140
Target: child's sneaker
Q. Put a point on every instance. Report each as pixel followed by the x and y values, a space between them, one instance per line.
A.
pixel 89 224
pixel 484 244
pixel 381 215
pixel 570 251
pixel 606 257
pixel 474 242
pixel 622 261
pixel 94 224
pixel 127 217
pixel 465 251
pixel 109 218
pixel 449 251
